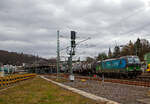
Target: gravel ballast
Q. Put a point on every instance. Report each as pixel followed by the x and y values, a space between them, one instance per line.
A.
pixel 125 94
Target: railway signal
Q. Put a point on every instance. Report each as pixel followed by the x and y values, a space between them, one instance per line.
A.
pixel 73 35
pixel 72 52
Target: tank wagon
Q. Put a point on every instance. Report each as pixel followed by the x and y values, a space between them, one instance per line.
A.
pixel 127 66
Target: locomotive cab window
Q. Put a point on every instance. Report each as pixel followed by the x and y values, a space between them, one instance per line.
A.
pixel 130 60
pixel 136 60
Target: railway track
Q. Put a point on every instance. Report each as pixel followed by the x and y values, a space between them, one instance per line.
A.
pixel 139 81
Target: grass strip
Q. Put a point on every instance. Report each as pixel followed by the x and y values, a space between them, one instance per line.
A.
pixel 40 91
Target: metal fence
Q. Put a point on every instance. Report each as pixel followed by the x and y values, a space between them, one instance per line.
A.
pixel 12 79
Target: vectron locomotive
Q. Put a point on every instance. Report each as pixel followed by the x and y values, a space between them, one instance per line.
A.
pixel 126 66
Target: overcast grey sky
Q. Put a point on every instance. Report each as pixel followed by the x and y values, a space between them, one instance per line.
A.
pixel 30 26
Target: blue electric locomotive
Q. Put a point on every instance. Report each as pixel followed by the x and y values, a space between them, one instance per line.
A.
pixel 123 66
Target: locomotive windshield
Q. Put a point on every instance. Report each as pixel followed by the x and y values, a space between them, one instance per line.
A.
pixel 136 60
pixel 132 60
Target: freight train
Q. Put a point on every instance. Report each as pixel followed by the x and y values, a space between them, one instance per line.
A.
pixel 127 66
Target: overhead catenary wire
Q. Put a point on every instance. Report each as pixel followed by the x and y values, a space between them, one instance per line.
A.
pixel 127 17
pixel 76 44
pixel 137 29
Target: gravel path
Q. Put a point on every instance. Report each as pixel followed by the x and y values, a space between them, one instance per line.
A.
pixel 125 94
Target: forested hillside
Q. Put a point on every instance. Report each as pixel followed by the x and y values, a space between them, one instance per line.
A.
pixel 14 58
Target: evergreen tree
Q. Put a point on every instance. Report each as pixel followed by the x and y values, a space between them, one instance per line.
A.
pixel 125 50
pixel 101 56
pixel 145 46
pixel 109 53
pixel 116 52
pixel 142 47
pixel 137 47
pixel 131 48
pixel 128 49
